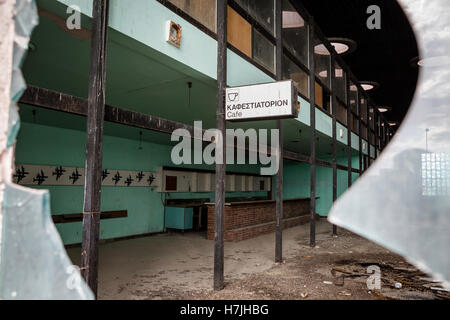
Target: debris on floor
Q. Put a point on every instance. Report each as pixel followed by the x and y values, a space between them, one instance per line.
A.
pixel 170 267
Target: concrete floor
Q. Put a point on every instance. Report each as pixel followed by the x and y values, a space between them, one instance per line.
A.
pixel 143 267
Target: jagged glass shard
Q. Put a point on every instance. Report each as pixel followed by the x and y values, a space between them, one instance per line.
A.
pixel 33 261
pixel 13 124
pixel 25 17
pixel 403 201
pixel 18 85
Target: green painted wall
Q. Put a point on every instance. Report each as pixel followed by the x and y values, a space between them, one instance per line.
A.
pixel 297 183
pixel 138 33
pixel 144 21
pixel 46 145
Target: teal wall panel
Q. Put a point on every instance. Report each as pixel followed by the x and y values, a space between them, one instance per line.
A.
pixel 305 111
pixel 179 218
pixel 355 141
pixel 39 144
pixel 342 139
pixel 297 182
pixel 324 190
pixel 296 178
pixel 324 123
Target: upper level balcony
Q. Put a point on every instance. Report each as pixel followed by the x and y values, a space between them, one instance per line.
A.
pixel 147 74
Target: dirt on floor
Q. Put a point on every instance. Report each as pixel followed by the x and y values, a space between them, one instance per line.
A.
pixel 338 269
pixel 175 266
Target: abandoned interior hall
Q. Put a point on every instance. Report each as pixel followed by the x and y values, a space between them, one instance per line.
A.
pixel 102 101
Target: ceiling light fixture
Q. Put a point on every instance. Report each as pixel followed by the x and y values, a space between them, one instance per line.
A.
pixel 291 19
pixel 341 46
pixel 384 109
pixel 369 85
pixel 392 123
pixel 339 73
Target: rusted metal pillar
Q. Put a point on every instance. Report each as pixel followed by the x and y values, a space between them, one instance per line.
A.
pixel 312 140
pixel 221 126
pixel 334 126
pixel 94 144
pixel 279 200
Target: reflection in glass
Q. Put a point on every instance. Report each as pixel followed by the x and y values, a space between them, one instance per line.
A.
pixel 341 113
pixel 295 33
pixel 354 123
pixel 322 64
pixel 363 131
pixel 263 51
pixel 204 11
pixel 340 85
pixel 294 72
pixel 435 174
pixel 262 11
pixel 353 92
pixel 363 107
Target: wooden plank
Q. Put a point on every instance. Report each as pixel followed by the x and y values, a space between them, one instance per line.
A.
pixel 78 217
pixel 239 32
pixel 58 101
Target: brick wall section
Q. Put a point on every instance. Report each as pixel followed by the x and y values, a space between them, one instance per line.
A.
pixel 247 220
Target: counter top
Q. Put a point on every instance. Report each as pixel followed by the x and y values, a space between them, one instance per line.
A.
pixel 241 203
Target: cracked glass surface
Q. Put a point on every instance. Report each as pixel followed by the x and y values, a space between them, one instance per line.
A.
pixel 403 201
pixel 33 263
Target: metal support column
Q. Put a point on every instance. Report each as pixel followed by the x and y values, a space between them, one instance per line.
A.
pixel 221 126
pixel 368 133
pixel 312 140
pixel 334 128
pixel 279 196
pixel 94 144
pixel 358 106
pixel 388 133
pixel 349 135
pixel 375 129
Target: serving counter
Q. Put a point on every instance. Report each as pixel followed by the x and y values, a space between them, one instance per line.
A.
pixel 248 219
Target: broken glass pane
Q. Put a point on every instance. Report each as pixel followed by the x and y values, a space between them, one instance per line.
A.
pixel 403 200
pixel 33 261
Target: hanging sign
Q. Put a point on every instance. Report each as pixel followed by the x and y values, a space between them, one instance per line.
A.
pixel 275 100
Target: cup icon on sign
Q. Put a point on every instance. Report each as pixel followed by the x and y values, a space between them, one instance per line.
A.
pixel 233 95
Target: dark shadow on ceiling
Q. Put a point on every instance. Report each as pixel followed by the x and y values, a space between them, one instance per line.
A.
pixel 382 55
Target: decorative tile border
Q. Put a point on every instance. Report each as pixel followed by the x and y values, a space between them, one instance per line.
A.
pixel 43 175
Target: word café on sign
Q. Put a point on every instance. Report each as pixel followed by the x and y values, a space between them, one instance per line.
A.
pixel 274 100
